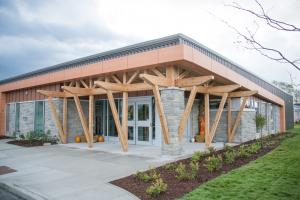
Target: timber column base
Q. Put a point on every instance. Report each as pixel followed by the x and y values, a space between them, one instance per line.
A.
pixel 173 102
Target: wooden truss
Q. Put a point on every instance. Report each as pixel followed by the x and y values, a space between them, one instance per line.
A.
pixel 151 79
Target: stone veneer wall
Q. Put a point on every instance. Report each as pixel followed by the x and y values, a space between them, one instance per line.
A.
pixel 247 129
pixel 173 102
pixel 74 123
pixel 27 110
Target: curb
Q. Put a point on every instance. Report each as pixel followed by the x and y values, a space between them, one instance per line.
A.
pixel 21 192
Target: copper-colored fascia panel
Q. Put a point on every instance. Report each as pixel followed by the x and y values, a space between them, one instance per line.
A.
pixel 145 59
pixel 130 62
pixel 196 57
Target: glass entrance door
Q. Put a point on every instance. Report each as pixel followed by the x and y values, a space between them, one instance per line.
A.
pixel 143 122
pixel 139 122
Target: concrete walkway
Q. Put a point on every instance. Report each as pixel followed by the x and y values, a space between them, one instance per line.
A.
pixel 74 172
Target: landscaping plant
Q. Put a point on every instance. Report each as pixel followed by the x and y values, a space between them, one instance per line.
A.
pixel 182 173
pixel 157 187
pixel 211 150
pixel 260 122
pixel 229 157
pixel 196 156
pixel 146 177
pixel 213 163
pixel 242 152
pixel 169 166
pixel 254 148
pixel 194 170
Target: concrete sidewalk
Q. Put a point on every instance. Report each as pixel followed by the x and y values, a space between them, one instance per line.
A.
pixel 75 172
pixel 56 172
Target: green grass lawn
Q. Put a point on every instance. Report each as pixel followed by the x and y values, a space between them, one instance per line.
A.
pixel 273 176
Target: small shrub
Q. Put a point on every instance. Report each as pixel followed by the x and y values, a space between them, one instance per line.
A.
pixel 169 166
pixel 194 170
pixel 254 148
pixel 196 156
pixel 242 152
pixel 156 188
pixel 228 148
pixel 147 176
pixel 142 176
pixel 211 150
pixel 213 163
pixel 270 143
pixel 182 173
pixel 229 157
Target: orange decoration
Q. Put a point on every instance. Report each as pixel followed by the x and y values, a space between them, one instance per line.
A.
pixel 101 138
pixel 77 139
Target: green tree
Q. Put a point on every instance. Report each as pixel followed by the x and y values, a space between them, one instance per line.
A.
pixel 260 122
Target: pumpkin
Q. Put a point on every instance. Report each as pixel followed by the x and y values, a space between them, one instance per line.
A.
pixel 77 139
pixel 101 138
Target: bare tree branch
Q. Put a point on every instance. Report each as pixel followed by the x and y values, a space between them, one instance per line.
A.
pixel 274 23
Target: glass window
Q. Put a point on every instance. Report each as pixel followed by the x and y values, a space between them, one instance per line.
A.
pixel 130 133
pixel 17 120
pixel 112 130
pixel 7 117
pixel 39 118
pixel 101 117
pixel 130 112
pixel 143 112
pixel 143 133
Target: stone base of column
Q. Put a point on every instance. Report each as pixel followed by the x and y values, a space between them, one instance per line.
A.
pixel 173 102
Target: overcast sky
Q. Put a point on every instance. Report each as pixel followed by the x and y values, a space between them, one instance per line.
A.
pixel 37 34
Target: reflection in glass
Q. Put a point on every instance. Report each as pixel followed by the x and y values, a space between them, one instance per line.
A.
pixel 130 132
pixel 143 133
pixel 130 112
pixel 143 112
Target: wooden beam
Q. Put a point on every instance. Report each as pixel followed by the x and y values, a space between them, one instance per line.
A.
pixel 116 79
pixel 157 72
pixel 217 118
pixel 52 93
pixel 183 74
pixel 133 76
pixel 161 114
pixel 56 120
pixel 206 118
pixel 229 117
pixel 111 86
pixel 242 93
pixel 186 113
pixel 117 120
pixel 218 89
pixel 98 91
pixel 65 116
pixel 193 81
pixel 84 84
pixel 155 80
pixel 82 119
pixel 238 119
pixel 91 119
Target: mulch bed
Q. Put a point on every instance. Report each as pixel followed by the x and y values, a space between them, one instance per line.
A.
pixel 3 137
pixel 177 188
pixel 6 170
pixel 27 143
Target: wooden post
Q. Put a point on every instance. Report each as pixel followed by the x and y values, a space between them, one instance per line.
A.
pixel 125 110
pixel 65 116
pixel 282 119
pixel 171 74
pixel 187 111
pixel 229 117
pixel 161 114
pixel 238 118
pixel 206 105
pixel 56 120
pixel 117 120
pixel 82 119
pixel 217 118
pixel 91 116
